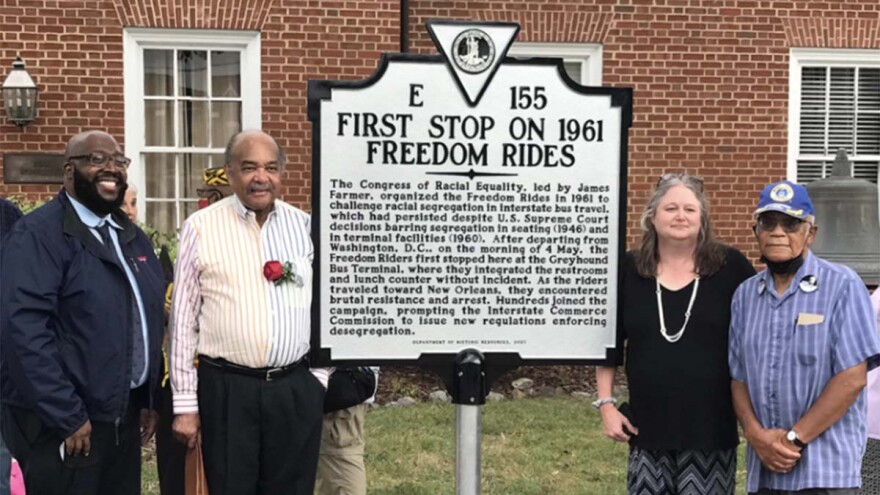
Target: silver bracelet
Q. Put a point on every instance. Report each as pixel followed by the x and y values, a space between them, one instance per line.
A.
pixel 601 402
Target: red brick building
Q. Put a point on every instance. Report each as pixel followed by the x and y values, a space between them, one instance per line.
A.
pixel 742 92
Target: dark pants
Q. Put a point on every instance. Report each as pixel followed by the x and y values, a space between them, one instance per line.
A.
pixel 112 468
pixel 170 452
pixel 260 437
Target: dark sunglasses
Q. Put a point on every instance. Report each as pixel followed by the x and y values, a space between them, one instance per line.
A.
pixel 693 180
pixel 101 160
pixel 768 223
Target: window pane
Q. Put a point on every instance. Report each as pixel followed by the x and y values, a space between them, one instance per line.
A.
pixel 192 72
pixel 868 118
pixel 813 93
pixel 159 122
pixel 225 121
pixel 193 124
pixel 808 171
pixel 869 90
pixel 866 170
pixel 159 171
pixel 158 72
pixel 225 74
pixel 162 216
pixel 188 208
pixel 573 69
pixel 841 112
pixel 192 172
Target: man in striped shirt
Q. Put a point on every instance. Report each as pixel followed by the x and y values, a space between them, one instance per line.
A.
pixel 241 301
pixel 802 338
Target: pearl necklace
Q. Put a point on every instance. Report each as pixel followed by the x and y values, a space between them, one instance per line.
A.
pixel 687 314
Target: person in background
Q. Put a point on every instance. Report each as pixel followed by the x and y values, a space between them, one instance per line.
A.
pixel 681 427
pixel 871 459
pixel 242 301
pixel 9 214
pixel 80 331
pixel 341 467
pixel 802 339
pixel 216 186
pixel 130 203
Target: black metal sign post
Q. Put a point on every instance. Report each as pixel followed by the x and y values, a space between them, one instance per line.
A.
pixel 468 217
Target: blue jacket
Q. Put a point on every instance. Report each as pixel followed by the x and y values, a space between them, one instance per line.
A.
pixel 65 350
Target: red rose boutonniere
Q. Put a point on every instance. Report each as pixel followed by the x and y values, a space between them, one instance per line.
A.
pixel 279 273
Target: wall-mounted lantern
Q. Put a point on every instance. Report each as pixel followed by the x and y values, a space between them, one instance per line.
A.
pixel 20 95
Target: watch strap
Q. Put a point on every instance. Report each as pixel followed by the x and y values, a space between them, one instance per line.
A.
pixel 601 402
pixel 795 439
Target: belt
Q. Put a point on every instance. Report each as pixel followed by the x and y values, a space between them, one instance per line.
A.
pixel 267 374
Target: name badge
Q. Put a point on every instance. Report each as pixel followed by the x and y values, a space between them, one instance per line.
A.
pixel 810 319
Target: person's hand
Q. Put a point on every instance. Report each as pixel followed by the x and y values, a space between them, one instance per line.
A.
pixel 80 441
pixel 149 421
pixel 613 424
pixel 187 429
pixel 773 451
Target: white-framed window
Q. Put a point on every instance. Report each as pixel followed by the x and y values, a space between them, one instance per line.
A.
pixel 582 61
pixel 834 103
pixel 186 93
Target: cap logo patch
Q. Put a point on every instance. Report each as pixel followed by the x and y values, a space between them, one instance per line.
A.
pixel 782 193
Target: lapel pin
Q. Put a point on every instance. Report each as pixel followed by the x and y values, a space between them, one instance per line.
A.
pixel 809 284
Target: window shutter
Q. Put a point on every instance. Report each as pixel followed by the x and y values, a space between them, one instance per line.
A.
pixel 868 116
pixel 813 89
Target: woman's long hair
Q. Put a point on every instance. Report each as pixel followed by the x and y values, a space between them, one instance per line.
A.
pixel 709 254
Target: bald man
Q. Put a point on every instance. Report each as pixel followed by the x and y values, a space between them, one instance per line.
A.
pixel 80 331
pixel 242 302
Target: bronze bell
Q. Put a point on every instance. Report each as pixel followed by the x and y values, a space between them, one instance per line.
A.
pixel 848 220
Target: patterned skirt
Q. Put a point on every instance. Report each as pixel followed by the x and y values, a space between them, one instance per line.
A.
pixel 681 472
pixel 871 468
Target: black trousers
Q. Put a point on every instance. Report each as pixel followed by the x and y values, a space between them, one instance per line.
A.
pixel 260 437
pixel 170 452
pixel 112 468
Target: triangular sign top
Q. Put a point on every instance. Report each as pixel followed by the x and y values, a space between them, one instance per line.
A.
pixel 473 51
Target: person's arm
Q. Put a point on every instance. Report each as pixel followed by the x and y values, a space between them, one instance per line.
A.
pixel 836 398
pixel 854 343
pixel 769 444
pixel 323 375
pixel 184 338
pixel 32 278
pixel 613 422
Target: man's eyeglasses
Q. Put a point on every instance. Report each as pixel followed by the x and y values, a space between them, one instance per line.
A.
pixel 768 223
pixel 694 180
pixel 102 159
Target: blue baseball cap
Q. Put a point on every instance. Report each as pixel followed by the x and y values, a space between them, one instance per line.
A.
pixel 786 197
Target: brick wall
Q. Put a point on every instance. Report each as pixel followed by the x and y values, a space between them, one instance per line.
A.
pixel 710 77
pixel 73 50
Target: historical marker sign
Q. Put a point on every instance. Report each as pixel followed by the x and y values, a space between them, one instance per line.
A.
pixel 467 200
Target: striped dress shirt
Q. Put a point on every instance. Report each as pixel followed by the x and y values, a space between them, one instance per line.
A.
pixel 786 348
pixel 223 306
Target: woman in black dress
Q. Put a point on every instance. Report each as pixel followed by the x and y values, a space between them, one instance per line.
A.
pixel 676 289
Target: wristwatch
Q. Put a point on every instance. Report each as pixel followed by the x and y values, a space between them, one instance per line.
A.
pixel 792 437
pixel 601 402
